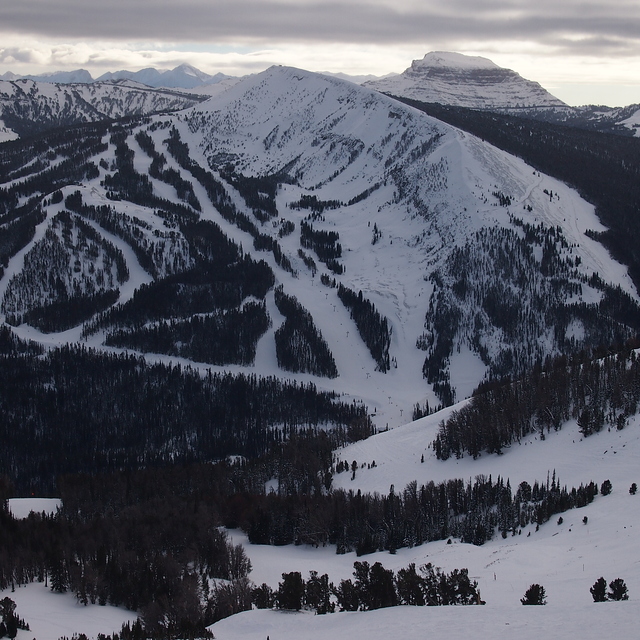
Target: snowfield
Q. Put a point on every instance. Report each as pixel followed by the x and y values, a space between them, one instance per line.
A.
pixel 53 615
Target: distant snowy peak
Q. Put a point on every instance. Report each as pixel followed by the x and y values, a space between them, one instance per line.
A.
pixel 452 60
pixel 182 77
pixel 465 81
pixel 63 77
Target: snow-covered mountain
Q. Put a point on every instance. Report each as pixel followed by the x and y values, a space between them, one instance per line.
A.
pixel 27 106
pixel 465 81
pixel 61 77
pixel 474 264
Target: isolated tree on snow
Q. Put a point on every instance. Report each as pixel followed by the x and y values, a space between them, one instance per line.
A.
pixel 618 590
pixel 633 489
pixel 535 594
pixel 599 590
pixel 606 487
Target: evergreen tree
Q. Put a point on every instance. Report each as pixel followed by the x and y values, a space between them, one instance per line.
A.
pixel 347 595
pixel 410 586
pixel 618 590
pixel 262 596
pixel 382 587
pixel 599 590
pixel 318 593
pixel 606 487
pixel 535 594
pixel 291 591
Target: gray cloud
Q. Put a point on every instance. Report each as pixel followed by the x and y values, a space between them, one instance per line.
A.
pixel 610 28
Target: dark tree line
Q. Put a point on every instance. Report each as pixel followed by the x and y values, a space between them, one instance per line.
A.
pixel 373 587
pixel 315 205
pixel 325 244
pixel 67 312
pixel 300 346
pixel 597 393
pixel 220 337
pixel 372 327
pixel 17 230
pixel 366 523
pixel 78 410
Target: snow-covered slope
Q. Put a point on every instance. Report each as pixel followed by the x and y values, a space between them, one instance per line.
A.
pixel 426 187
pixel 28 106
pixel 465 81
pixel 566 558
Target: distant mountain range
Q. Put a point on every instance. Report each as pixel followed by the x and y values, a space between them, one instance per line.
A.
pixel 440 77
pixel 182 77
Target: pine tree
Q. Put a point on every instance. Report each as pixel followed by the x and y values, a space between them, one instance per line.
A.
pixel 535 594
pixel 291 591
pixel 606 487
pixel 618 590
pixel 599 590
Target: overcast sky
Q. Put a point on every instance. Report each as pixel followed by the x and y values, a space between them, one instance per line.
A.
pixel 581 51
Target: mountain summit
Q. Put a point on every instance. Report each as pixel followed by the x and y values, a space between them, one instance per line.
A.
pixel 465 81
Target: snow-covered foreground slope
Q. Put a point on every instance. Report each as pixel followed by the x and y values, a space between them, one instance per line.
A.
pixel 453 623
pixel 55 615
pixel 565 558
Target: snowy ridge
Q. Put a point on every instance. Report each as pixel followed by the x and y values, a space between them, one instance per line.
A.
pixel 36 106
